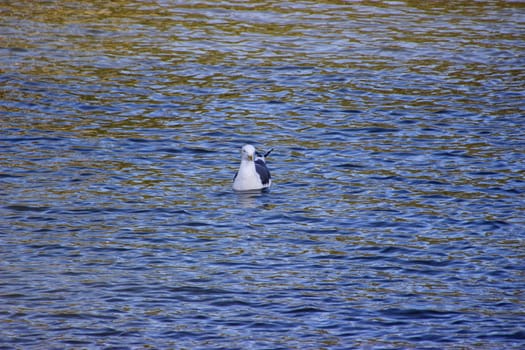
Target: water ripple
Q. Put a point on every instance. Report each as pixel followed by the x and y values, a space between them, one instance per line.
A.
pixel 395 218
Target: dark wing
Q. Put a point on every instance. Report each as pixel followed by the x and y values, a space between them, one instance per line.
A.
pixel 263 172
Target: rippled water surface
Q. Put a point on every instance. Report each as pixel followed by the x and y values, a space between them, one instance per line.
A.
pixel 397 215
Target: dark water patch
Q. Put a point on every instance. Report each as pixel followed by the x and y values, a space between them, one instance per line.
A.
pixel 195 224
pixel 304 310
pixel 483 173
pixel 25 208
pixel 231 303
pixel 452 154
pixel 429 182
pixel 8 176
pixel 170 150
pixel 488 225
pixel 513 335
pixel 350 166
pixel 147 140
pixel 99 332
pixel 418 314
pixel 23 139
pixel 391 250
pixel 351 111
pixel 378 130
pixel 387 178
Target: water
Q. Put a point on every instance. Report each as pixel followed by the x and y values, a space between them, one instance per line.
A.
pixel 396 219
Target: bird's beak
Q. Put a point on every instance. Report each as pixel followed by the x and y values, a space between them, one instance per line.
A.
pixel 250 157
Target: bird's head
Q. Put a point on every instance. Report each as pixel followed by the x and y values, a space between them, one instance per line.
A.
pixel 248 152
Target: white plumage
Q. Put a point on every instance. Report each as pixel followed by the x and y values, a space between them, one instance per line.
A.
pixel 253 173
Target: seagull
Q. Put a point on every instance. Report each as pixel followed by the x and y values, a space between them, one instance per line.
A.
pixel 253 173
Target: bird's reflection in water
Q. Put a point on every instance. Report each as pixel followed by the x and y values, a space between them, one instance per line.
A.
pixel 248 199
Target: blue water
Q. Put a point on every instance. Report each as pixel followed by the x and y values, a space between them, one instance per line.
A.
pixel 397 215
